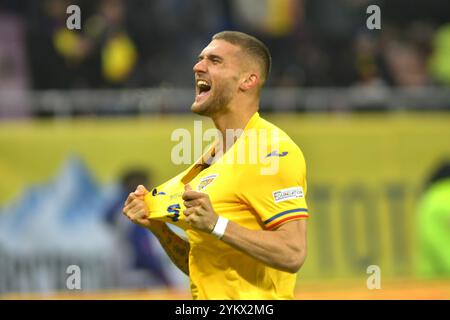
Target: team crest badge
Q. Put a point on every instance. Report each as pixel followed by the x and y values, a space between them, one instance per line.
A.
pixel 206 181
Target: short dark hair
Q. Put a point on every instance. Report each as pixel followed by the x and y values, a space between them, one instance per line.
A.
pixel 250 45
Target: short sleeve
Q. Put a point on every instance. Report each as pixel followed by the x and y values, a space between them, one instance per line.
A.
pixel 277 196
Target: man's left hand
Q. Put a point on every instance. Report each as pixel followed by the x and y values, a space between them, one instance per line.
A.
pixel 199 211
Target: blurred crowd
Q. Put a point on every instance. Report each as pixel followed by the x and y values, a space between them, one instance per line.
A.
pixel 142 43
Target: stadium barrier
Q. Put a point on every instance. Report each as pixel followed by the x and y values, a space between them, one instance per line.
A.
pixel 175 100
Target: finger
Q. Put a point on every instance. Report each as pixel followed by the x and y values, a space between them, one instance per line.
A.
pixel 192 203
pixel 192 195
pixel 130 207
pixel 192 219
pixel 132 204
pixel 190 211
pixel 138 213
pixel 141 190
pixel 130 198
pixel 126 211
pixel 140 206
pixel 187 187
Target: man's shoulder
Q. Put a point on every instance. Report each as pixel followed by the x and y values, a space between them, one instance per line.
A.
pixel 277 137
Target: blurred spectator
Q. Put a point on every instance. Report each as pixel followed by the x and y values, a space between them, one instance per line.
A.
pixel 110 40
pixel 169 35
pixel 440 59
pixel 54 51
pixel 140 43
pixel 406 64
pixel 277 23
pixel 433 225
pixel 139 241
pixel 14 76
pixel 367 64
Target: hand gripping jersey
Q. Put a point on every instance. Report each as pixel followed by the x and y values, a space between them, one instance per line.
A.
pixel 259 183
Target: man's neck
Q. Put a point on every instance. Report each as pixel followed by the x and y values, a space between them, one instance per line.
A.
pixel 233 120
pixel 236 114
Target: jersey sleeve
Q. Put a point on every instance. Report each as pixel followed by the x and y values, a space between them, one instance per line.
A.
pixel 277 196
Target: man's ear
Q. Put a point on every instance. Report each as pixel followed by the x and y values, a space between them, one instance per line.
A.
pixel 252 81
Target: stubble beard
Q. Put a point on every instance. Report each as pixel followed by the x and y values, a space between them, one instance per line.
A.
pixel 215 104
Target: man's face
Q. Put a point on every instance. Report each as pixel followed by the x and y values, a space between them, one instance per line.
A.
pixel 216 77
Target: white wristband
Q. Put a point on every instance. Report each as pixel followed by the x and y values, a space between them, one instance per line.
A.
pixel 220 227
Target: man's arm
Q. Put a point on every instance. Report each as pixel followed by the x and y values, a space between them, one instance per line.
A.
pixel 283 248
pixel 176 248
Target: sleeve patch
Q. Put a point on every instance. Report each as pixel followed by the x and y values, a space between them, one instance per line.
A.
pixel 288 194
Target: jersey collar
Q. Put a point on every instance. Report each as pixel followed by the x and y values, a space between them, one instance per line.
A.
pixel 205 158
pixel 252 122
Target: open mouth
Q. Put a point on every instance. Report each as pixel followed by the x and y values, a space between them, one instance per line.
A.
pixel 203 88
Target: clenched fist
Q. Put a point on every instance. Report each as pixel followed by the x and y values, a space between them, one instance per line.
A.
pixel 199 211
pixel 135 207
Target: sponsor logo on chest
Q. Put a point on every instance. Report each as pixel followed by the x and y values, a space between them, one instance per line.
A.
pixel 206 181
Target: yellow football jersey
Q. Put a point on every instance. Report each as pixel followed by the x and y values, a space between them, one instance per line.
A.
pixel 259 183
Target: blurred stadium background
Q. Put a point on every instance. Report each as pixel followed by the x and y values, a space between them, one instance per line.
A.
pixel 84 113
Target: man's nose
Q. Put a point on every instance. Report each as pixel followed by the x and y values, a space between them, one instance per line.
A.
pixel 200 66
